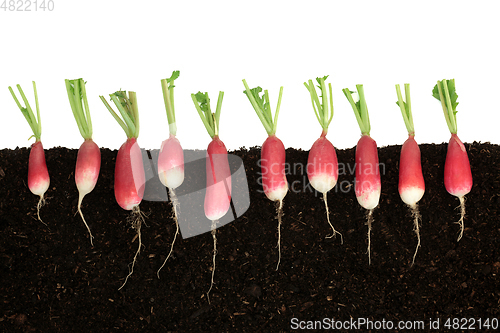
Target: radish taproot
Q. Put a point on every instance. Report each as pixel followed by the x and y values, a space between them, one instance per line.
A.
pixel 88 161
pixel 457 172
pixel 38 174
pixel 411 185
pixel 218 173
pixel 171 156
pixel 367 185
pixel 322 164
pixel 273 155
pixel 130 178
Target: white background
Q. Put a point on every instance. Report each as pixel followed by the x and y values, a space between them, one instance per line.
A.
pixel 131 45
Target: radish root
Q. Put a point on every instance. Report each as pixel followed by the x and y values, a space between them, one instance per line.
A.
pixel 369 218
pixel 215 253
pixel 279 209
pixel 462 215
pixel 80 198
pixel 175 204
pixel 335 232
pixel 41 202
pixel 416 228
pixel 136 220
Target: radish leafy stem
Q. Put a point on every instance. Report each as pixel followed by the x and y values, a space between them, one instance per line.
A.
pixel 262 107
pixel 35 124
pixel 127 106
pixel 167 86
pixel 210 120
pixel 76 95
pixel 321 109
pixel 360 109
pixel 445 92
pixel 405 107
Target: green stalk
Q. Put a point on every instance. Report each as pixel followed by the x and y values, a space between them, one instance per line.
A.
pixel 331 104
pixel 208 113
pixel 445 92
pixel 124 107
pixel 135 111
pixel 268 113
pixel 127 106
pixel 210 131
pixel 37 108
pixel 217 112
pixel 210 120
pixel 87 110
pixel 25 100
pixel 76 95
pixel 323 114
pixel 34 123
pixel 167 86
pixel 364 108
pixel 360 109
pixel 276 114
pixel 405 107
pixel 324 96
pixel 262 107
pixel 117 117
pixel 260 113
pixel 314 100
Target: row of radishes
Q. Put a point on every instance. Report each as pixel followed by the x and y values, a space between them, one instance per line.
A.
pixel 322 162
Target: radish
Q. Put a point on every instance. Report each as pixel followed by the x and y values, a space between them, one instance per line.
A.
pixel 457 173
pixel 88 161
pixel 411 181
pixel 273 154
pixel 38 175
pixel 322 165
pixel 171 156
pixel 218 190
pixel 130 178
pixel 367 185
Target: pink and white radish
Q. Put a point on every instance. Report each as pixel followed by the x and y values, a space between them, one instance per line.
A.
pixel 411 180
pixel 171 156
pixel 273 155
pixel 88 161
pixel 171 163
pixel 38 175
pixel 367 185
pixel 273 159
pixel 218 189
pixel 218 196
pixel 322 164
pixel 130 178
pixel 457 172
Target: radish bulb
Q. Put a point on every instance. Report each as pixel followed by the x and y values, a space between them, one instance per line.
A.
pixel 171 156
pixel 88 161
pixel 273 169
pixel 273 153
pixel 130 178
pixel 457 172
pixel 218 189
pixel 322 165
pixel 411 180
pixel 367 185
pixel 38 175
pixel 171 163
pixel 218 195
pixel 129 175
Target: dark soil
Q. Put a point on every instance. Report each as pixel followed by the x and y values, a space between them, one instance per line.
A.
pixel 53 280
